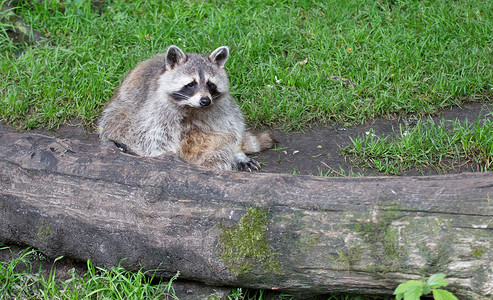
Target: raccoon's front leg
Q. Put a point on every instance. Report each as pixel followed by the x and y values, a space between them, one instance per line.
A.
pixel 208 149
pixel 219 160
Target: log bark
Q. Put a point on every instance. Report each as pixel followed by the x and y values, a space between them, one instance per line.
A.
pixel 298 234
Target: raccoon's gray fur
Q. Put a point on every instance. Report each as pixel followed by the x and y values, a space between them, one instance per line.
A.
pixel 180 103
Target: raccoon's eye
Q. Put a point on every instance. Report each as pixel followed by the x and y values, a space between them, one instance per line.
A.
pixel 212 86
pixel 191 84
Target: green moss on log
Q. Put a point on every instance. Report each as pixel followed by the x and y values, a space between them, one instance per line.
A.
pixel 478 251
pixel 383 241
pixel 245 245
pixel 347 258
pixel 44 231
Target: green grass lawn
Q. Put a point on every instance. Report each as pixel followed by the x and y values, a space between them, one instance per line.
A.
pixel 96 283
pixel 18 280
pixel 427 144
pixel 405 57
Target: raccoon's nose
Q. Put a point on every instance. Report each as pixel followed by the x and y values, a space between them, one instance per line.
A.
pixel 205 101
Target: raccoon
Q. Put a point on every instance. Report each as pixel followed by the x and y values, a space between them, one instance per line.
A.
pixel 180 103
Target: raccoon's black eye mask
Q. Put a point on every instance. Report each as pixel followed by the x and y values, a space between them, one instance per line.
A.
pixel 191 84
pixel 212 87
pixel 190 89
pixel 185 92
pixel 213 90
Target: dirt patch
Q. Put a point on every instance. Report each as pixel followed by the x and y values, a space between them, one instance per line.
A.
pixel 317 150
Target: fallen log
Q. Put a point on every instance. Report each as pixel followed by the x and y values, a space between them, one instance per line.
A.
pixel 298 234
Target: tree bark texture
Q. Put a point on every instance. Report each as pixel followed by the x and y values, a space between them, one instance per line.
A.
pixel 298 234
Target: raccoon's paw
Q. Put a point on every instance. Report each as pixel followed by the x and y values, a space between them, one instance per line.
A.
pixel 245 163
pixel 250 165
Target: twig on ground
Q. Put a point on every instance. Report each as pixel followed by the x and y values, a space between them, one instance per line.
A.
pixel 332 170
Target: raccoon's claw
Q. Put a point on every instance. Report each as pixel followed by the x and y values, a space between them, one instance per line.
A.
pixel 122 147
pixel 248 165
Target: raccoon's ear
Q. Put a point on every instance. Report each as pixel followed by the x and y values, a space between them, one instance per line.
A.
pixel 175 57
pixel 220 56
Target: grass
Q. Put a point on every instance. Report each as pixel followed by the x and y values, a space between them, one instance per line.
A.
pixel 19 281
pixel 410 57
pixel 327 171
pixel 427 144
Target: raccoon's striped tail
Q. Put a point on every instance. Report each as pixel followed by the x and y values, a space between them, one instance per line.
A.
pixel 254 142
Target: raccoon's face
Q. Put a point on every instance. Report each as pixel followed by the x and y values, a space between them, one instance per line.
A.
pixel 197 91
pixel 196 80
